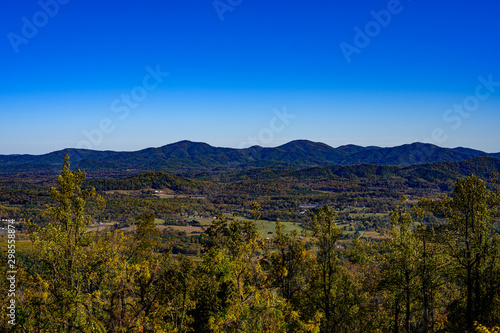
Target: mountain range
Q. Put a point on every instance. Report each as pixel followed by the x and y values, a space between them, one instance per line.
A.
pixel 187 156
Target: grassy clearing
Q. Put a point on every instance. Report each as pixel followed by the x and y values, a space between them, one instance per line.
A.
pixel 367 215
pixel 188 230
pixel 374 235
pixel 205 221
pixel 100 227
pixel 21 245
pixel 266 228
pixel 269 228
pixel 162 194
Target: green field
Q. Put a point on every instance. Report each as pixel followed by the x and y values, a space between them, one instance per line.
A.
pixel 20 244
pixel 266 228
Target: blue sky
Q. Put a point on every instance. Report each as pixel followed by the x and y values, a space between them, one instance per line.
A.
pixel 94 75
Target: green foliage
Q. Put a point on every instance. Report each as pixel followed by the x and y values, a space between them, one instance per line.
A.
pixel 147 236
pixel 471 213
pixel 62 248
pixel 153 180
pixel 437 269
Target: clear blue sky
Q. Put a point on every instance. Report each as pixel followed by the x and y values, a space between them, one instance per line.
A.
pixel 241 72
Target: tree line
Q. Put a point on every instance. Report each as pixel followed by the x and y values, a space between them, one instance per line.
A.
pixel 423 277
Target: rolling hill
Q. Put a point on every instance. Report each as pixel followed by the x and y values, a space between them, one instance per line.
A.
pixel 186 157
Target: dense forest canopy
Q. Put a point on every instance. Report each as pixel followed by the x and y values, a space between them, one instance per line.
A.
pixel 433 264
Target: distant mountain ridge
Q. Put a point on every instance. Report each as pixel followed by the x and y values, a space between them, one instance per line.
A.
pixel 187 156
pixel 417 175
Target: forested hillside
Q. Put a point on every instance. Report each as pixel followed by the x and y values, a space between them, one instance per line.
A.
pixel 435 269
pixel 186 158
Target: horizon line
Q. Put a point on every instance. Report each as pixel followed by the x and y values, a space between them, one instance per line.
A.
pixel 243 148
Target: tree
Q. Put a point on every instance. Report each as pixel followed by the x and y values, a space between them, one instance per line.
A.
pixel 62 249
pixel 289 265
pixel 412 264
pixel 231 251
pixel 147 237
pixel 471 213
pixel 399 267
pixel 176 288
pixel 237 296
pixel 331 290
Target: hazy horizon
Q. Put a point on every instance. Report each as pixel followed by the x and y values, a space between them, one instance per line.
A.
pixel 269 146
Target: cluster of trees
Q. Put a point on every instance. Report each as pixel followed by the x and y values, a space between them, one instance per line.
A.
pixel 280 195
pixel 156 180
pixel 422 278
